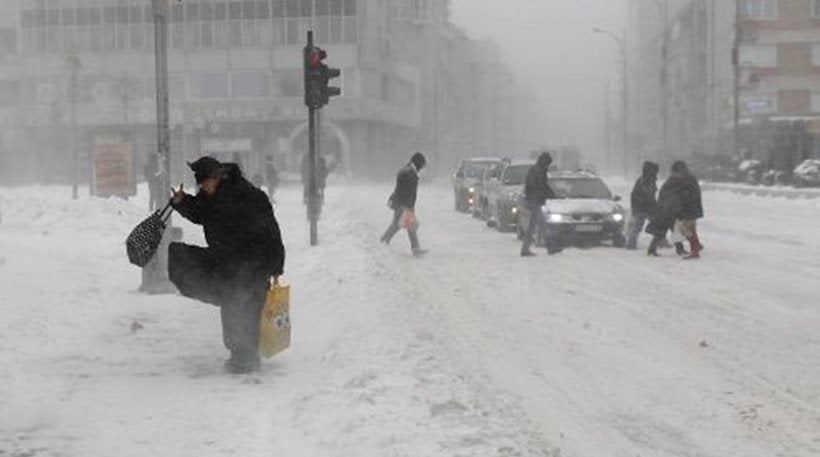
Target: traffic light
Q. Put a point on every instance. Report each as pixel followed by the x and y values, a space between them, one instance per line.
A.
pixel 317 78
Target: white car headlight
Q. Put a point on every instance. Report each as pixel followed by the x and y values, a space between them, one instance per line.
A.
pixel 471 190
pixel 617 217
pixel 514 210
pixel 556 217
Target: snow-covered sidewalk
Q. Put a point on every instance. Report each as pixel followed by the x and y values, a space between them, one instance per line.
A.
pixel 469 351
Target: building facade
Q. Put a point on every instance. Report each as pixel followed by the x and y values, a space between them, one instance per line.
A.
pixel 236 85
pixel 777 84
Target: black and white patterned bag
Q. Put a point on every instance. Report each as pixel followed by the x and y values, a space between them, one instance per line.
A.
pixel 143 242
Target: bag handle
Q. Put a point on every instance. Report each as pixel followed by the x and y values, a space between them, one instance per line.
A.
pixel 162 214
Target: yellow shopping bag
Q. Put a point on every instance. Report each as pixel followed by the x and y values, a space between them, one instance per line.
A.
pixel 274 334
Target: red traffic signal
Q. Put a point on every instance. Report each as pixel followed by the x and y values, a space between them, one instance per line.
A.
pixel 317 77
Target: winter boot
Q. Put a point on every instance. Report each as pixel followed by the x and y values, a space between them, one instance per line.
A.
pixel 680 250
pixel 242 362
pixel 527 253
pixel 653 247
pixel 694 247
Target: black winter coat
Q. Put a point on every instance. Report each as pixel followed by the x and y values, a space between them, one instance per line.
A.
pixel 537 189
pixel 243 237
pixel 407 185
pixel 678 199
pixel 643 195
pixel 691 202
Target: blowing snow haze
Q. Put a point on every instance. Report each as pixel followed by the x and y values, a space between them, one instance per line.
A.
pixel 447 228
pixel 551 47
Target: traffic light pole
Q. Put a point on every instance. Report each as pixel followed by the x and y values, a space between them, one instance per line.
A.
pixel 313 159
pixel 155 274
pixel 313 181
pixel 317 95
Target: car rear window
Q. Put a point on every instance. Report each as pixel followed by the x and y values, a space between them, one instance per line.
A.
pixel 516 174
pixel 476 169
pixel 580 188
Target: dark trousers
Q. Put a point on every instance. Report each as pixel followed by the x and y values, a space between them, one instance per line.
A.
pixel 537 222
pixel 635 229
pixel 241 314
pixel 240 297
pixel 394 228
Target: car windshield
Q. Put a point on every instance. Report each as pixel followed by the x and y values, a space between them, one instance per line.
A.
pixel 516 174
pixel 580 188
pixel 475 169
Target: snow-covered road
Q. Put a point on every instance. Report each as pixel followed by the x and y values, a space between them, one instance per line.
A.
pixel 469 351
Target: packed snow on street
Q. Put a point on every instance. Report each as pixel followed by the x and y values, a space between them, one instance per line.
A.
pixel 470 350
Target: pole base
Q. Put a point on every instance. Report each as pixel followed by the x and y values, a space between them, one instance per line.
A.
pixel 158 288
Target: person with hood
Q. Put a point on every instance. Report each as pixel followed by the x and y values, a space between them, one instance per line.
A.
pixel 244 251
pixel 643 202
pixel 691 209
pixel 536 192
pixel 404 198
pixel 679 207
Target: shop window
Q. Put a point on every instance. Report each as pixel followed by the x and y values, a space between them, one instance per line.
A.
pixel 759 56
pixel 289 83
pixel 758 9
pixel 250 85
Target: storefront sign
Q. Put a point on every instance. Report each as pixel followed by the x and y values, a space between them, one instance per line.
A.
pixel 113 163
pixel 760 106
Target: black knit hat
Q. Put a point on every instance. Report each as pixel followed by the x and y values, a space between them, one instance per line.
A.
pixel 418 160
pixel 204 168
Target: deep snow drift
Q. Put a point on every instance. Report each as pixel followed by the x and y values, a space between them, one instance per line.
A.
pixel 469 351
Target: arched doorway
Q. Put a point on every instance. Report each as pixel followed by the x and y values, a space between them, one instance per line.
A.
pixel 335 147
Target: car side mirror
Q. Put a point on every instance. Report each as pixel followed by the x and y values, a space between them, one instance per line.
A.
pixel 616 198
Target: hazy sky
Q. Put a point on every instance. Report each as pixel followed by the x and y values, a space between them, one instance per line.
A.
pixel 550 45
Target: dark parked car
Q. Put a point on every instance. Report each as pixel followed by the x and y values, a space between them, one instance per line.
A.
pixel 504 195
pixel 584 211
pixel 467 181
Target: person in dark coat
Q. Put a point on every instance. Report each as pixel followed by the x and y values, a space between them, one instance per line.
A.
pixel 271 176
pixel 153 177
pixel 321 176
pixel 643 202
pixel 404 198
pixel 536 192
pixel 691 209
pixel 244 250
pixel 679 205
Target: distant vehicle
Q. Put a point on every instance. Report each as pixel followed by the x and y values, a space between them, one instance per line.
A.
pixel 807 174
pixel 490 178
pixel 585 211
pixel 466 181
pixel 504 195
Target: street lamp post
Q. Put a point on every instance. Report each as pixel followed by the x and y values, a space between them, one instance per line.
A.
pixel 663 12
pixel 736 83
pixel 621 42
pixel 74 65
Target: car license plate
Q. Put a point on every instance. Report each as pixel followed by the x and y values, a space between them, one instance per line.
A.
pixel 588 228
